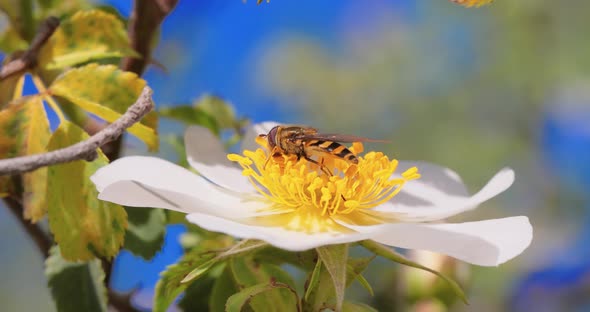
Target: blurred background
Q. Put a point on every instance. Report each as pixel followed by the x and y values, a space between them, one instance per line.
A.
pixel 472 89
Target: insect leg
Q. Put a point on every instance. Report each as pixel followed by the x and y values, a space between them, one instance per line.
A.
pixel 322 165
pixel 274 152
pixel 324 169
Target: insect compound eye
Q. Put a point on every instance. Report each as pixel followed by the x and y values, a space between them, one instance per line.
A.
pixel 272 137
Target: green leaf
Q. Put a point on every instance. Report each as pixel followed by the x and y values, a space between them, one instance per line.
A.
pixel 83 226
pixel 390 254
pixel 218 108
pixel 107 92
pixel 25 131
pixel 170 284
pixel 363 281
pixel 196 296
pixel 75 286
pixel 177 144
pixel 320 289
pixel 354 269
pixel 322 295
pixel 236 302
pixel 334 259
pixel 314 279
pixel 191 115
pixel 248 273
pixel 223 288
pixel 306 260
pixel 86 36
pixel 241 248
pixel 145 232
pixel 350 306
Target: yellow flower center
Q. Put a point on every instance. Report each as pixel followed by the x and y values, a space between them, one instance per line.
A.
pixel 308 199
pixel 471 3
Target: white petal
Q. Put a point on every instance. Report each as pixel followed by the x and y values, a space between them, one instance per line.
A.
pixel 276 236
pixel 136 194
pixel 153 182
pixel 440 194
pixel 249 141
pixel 487 243
pixel 206 154
pixel 436 177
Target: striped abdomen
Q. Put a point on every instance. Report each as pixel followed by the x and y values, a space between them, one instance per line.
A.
pixel 333 148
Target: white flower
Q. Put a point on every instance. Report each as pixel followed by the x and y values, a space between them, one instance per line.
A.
pixel 291 206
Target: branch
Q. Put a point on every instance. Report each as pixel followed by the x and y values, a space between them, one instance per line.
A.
pixel 144 21
pixel 28 59
pixel 85 150
pixel 121 302
pixel 41 239
pixel 146 17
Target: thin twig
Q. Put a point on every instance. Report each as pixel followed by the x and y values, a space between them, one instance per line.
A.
pixel 121 302
pixel 146 17
pixel 28 59
pixel 85 150
pixel 144 21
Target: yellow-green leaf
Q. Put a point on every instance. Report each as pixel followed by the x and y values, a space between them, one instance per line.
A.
pixel 9 89
pixel 11 119
pixel 25 131
pixel 83 226
pixel 87 35
pixel 11 41
pixel 35 182
pixel 20 14
pixel 63 8
pixel 472 3
pixel 107 92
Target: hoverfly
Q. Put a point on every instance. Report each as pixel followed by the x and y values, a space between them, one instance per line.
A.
pixel 304 142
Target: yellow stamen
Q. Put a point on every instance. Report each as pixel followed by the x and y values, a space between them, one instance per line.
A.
pixel 472 3
pixel 311 200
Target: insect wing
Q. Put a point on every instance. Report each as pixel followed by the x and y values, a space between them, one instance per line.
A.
pixel 334 137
